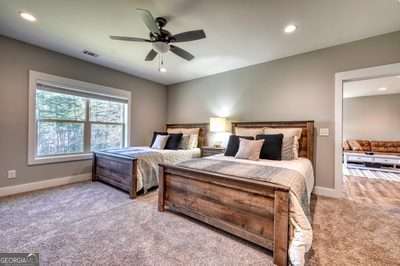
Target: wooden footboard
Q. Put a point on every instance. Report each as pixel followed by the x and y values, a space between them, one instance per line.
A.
pixel 116 170
pixel 252 210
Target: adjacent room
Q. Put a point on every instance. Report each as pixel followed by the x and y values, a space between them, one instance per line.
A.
pixel 200 132
pixel 371 138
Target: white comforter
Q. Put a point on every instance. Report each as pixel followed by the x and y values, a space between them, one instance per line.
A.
pixel 147 165
pixel 301 242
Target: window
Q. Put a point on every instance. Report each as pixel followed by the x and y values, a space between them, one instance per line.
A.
pixel 70 122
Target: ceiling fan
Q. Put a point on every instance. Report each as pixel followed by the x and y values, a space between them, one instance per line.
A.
pixel 161 39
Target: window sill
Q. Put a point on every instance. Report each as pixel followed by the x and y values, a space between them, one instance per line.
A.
pixel 59 159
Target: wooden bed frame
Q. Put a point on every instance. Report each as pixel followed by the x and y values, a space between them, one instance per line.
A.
pixel 253 210
pixel 121 171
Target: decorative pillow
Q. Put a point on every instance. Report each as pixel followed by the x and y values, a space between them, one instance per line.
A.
pixel 365 144
pixel 184 144
pixel 290 148
pixel 155 133
pixel 346 146
pixel 160 142
pixel 233 144
pixel 187 131
pixel 287 132
pixel 193 132
pixel 249 149
pixel 355 145
pixel 173 141
pixel 290 145
pixel 272 147
pixel 248 131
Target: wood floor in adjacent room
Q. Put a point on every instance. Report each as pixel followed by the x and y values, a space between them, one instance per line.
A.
pixel 91 223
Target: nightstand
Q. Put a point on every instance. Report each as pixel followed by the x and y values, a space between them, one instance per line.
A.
pixel 209 151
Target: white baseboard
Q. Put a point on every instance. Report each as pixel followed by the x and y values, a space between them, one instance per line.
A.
pixel 54 182
pixel 327 192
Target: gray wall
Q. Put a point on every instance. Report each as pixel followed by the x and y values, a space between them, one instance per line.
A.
pixel 372 117
pixel 300 87
pixel 17 58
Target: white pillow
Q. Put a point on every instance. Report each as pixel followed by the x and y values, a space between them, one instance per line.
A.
pixel 290 142
pixel 160 142
pixel 287 132
pixel 249 149
pixel 249 131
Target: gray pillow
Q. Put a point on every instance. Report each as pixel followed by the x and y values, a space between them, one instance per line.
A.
pixel 249 149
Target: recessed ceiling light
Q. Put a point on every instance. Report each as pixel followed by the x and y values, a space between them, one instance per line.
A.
pixel 382 89
pixel 163 69
pixel 290 28
pixel 27 16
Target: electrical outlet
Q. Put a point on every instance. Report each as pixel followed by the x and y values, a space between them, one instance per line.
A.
pixel 12 174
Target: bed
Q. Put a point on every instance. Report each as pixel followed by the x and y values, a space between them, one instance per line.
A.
pixel 234 195
pixel 133 169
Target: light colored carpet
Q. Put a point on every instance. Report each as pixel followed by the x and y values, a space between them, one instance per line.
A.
pixel 91 223
pixel 361 229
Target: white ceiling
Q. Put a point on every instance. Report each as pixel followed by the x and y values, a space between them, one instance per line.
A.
pixel 370 87
pixel 239 33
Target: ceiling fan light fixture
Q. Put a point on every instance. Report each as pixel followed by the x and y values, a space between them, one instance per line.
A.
pixel 27 16
pixel 161 47
pixel 162 67
pixel 290 28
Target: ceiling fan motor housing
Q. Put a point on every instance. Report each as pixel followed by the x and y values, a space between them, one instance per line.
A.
pixel 161 22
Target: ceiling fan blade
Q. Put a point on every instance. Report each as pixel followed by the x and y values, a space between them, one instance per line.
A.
pixel 151 55
pixel 129 39
pixel 189 36
pixel 180 52
pixel 148 20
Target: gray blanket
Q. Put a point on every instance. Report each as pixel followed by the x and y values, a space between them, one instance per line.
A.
pixel 282 176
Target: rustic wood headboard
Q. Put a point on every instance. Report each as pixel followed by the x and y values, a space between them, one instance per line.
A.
pixel 202 132
pixel 306 141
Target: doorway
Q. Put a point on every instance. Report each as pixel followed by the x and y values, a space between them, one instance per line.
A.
pixel 355 164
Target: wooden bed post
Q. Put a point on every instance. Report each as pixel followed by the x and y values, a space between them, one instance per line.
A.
pixel 133 192
pixel 281 228
pixel 161 190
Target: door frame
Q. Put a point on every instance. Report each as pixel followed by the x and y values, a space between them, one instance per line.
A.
pixel 340 79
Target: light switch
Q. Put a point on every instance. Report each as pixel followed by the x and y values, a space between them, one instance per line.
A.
pixel 12 174
pixel 324 132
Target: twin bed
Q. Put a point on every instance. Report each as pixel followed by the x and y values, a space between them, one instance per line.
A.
pixel 134 169
pixel 265 202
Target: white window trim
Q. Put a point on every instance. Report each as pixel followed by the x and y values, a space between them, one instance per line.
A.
pixel 74 85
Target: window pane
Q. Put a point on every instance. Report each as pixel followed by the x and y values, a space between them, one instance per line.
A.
pixel 106 136
pixel 59 138
pixel 106 111
pixel 53 105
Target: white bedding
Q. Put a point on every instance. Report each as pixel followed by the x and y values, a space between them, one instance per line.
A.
pixel 147 174
pixel 301 242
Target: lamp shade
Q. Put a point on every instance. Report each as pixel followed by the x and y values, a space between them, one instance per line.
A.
pixel 219 124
